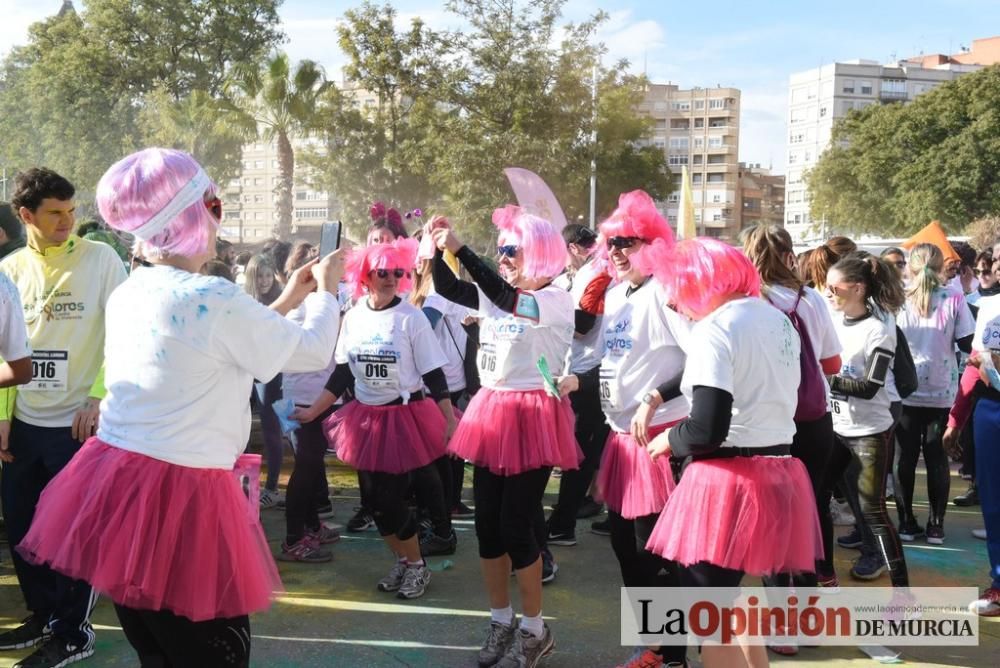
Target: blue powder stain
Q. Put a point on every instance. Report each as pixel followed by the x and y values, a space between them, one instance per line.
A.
pixel 173 319
pixel 202 310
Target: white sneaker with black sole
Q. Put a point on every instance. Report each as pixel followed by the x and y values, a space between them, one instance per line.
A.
pixel 415 582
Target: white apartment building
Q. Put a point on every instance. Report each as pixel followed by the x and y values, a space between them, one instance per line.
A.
pixel 818 97
pixel 699 128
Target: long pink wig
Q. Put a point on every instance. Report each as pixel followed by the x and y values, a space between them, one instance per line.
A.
pixel 400 254
pixel 138 186
pixel 542 246
pixel 636 216
pixel 695 273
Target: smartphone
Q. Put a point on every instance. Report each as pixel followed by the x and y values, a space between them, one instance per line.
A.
pixel 329 238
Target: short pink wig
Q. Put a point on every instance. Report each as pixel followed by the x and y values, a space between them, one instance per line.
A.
pixel 400 254
pixel 696 273
pixel 637 216
pixel 137 187
pixel 542 247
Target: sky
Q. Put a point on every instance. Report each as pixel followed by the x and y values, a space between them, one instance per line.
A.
pixel 753 46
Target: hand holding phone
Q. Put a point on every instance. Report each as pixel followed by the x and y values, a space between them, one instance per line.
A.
pixel 329 238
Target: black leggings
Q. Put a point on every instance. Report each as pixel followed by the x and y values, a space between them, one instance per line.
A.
pixel 509 514
pixel 165 640
pixel 919 429
pixel 866 495
pixel 429 486
pixel 639 566
pixel 307 486
pixel 386 494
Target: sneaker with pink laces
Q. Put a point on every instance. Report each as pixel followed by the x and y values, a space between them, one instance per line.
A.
pixel 306 550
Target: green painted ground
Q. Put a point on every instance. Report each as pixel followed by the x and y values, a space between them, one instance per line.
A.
pixel 332 615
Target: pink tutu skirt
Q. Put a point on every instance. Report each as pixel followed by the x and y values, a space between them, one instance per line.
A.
pixel 514 432
pixel 388 439
pixel 154 536
pixel 633 485
pixel 752 514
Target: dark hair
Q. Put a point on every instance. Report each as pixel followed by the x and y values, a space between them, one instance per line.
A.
pixel 966 253
pixel 217 268
pixel 243 257
pixel 39 183
pixel 302 252
pixel 395 228
pixel 985 256
pixel 87 227
pixel 883 286
pixel 841 245
pixel 891 250
pixel 767 247
pixel 579 235
pixel 221 246
pixel 9 222
pixel 818 265
pixel 277 251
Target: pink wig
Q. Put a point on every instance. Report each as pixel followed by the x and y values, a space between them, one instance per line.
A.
pixel 696 273
pixel 637 216
pixel 137 187
pixel 400 254
pixel 542 246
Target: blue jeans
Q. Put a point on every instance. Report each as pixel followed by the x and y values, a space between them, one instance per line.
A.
pixel 987 432
pixel 265 394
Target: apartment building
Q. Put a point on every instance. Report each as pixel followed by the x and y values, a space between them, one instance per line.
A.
pixel 699 128
pixel 820 96
pixel 760 196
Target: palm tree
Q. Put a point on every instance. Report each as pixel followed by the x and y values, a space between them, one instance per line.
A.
pixel 281 104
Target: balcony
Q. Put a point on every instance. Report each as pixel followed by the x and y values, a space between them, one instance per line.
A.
pixel 892 95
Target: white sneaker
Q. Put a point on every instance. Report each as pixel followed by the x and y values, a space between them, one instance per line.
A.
pixel 394 579
pixel 415 582
pixel 271 499
pixel 979 533
pixel 841 514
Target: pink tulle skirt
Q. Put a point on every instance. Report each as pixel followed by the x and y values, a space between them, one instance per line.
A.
pixel 514 432
pixel 154 536
pixel 752 514
pixel 388 439
pixel 632 484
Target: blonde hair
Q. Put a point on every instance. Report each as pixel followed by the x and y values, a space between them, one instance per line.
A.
pixel 926 264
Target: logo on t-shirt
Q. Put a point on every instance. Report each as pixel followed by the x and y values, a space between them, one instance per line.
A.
pixel 54 306
pixel 991 335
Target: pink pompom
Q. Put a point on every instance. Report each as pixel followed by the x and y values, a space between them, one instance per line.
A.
pixel 377 211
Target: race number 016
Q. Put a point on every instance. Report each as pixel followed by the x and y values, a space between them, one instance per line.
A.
pixel 43 370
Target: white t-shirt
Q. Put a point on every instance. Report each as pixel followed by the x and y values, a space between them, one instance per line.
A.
pixel 510 344
pixel 987 333
pixel 932 346
pixel 182 351
pixel 451 337
pixel 814 312
pixel 388 351
pixel 749 349
pixel 644 345
pixel 854 416
pixel 14 344
pixel 585 352
pixel 304 388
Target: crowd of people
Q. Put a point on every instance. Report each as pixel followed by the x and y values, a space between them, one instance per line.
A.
pixel 721 401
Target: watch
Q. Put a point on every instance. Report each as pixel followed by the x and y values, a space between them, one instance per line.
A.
pixel 648 399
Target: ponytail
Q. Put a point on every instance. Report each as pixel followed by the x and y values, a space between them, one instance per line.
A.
pixel 926 265
pixel 820 261
pixel 768 247
pixel 883 287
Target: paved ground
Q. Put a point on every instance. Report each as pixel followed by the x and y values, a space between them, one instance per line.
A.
pixel 332 615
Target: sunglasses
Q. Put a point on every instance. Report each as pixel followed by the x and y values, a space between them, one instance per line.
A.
pixel 838 290
pixel 982 272
pixel 901 264
pixel 509 250
pixel 621 243
pixel 214 207
pixel 384 273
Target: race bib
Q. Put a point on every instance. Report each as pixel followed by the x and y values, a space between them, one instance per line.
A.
pixel 610 395
pixel 49 371
pixel 489 373
pixel 840 406
pixel 379 372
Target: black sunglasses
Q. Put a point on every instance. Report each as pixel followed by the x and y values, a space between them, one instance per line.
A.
pixel 384 273
pixel 622 243
pixel 510 250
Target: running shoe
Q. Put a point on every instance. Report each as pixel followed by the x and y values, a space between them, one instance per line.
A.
pixel 415 581
pixel 433 545
pixel 361 521
pixel 643 659
pixel 325 512
pixel 306 550
pixel 31 631
pixel 910 531
pixel 935 534
pixel 462 512
pixel 829 582
pixel 868 567
pixel 527 650
pixel 270 498
pixel 602 528
pixel 324 535
pixel 561 538
pixel 498 640
pixel 970 498
pixel 394 580
pixel 841 514
pixel 589 508
pixel 851 541
pixel 549 566
pixel 987 605
pixel 56 653
pixel 979 533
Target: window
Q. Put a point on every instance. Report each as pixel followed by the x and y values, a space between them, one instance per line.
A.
pixel 716 104
pixel 259 181
pixel 697 160
pixel 696 179
pixel 274 164
pixel 683 105
pixel 258 164
pixel 717 122
pixel 258 215
pixel 796 138
pixel 673 197
pixel 811 95
pixel 846 106
pixel 716 178
pixel 660 106
pixel 715 142
pixel 847 86
pixel 258 199
pixel 822 112
pixel 661 124
pixel 313 213
pixel 230 215
pixel 659 143
pixel 793 158
pixel 717 159
pixel 699 142
pixel 866 87
pixel 248 182
pixel 679 143
pixel 680 124
pixel 699 104
pixel 677 160
pixel 234 183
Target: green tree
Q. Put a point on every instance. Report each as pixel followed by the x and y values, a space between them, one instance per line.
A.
pixel 280 103
pixel 890 169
